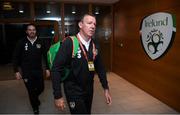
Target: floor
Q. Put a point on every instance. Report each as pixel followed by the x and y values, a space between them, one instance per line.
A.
pixel 127 99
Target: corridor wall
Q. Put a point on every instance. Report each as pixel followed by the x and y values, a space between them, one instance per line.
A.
pixel 160 77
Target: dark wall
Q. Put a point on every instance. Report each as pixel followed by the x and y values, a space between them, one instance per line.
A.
pixel 12 33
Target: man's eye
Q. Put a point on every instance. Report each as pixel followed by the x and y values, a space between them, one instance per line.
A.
pixel 89 23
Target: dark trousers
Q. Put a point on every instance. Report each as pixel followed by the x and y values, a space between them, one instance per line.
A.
pixel 35 85
pixel 80 105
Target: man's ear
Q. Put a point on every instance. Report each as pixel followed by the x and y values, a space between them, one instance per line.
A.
pixel 80 24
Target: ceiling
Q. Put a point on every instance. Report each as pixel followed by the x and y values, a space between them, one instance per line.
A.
pixel 93 1
pixel 76 1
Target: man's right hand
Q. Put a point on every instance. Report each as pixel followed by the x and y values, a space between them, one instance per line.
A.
pixel 59 103
pixel 18 75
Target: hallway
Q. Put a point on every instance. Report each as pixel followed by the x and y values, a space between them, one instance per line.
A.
pixel 127 99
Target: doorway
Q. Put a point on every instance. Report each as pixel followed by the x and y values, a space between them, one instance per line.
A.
pixel 10 33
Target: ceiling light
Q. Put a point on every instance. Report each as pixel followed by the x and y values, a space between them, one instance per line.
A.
pixel 52 32
pixel 21 8
pixel 21 11
pixel 96 10
pixel 48 9
pixel 7 6
pixel 73 10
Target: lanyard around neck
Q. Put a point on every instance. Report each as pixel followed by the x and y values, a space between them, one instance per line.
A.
pixel 84 52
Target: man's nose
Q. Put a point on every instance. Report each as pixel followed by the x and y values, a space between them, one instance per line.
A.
pixel 93 26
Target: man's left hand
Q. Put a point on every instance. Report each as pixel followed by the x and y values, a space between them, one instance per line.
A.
pixel 47 73
pixel 108 96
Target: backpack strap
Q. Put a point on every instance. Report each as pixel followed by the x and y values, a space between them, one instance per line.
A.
pixel 51 54
pixel 75 45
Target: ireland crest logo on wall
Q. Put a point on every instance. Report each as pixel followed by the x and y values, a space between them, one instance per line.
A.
pixel 157 33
